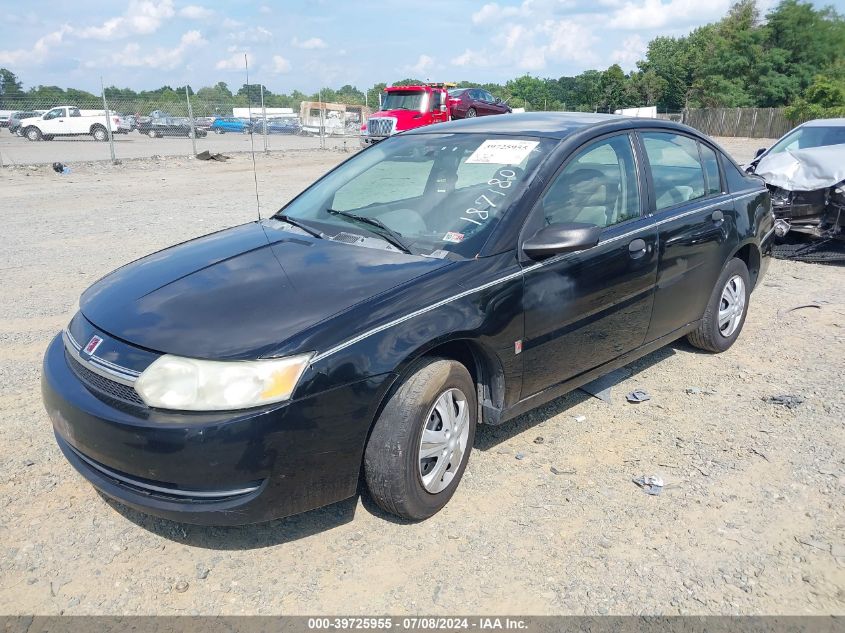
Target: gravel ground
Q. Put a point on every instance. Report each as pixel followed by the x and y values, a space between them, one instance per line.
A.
pixel 546 520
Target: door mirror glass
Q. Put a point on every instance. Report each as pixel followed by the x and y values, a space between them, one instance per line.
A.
pixel 498 100
pixel 556 239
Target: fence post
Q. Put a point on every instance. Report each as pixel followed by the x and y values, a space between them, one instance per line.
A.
pixel 769 127
pixel 753 123
pixel 264 117
pixel 191 117
pixel 108 120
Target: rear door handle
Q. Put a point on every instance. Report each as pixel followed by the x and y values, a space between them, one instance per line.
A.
pixel 637 248
pixel 717 216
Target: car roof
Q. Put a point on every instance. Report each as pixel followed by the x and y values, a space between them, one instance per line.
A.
pixel 825 123
pixel 556 125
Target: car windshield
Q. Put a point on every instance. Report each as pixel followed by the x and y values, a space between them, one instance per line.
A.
pixel 439 192
pixel 402 100
pixel 809 136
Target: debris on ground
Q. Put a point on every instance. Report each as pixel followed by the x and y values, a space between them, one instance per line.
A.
pixel 206 155
pixel 61 168
pixel 539 439
pixel 785 400
pixel 638 395
pixel 562 471
pixel 600 387
pixel 580 418
pixel 520 455
pixel 651 485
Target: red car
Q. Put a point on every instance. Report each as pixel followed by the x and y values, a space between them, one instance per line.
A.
pixel 465 103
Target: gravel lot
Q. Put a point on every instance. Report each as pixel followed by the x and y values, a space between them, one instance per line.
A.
pixel 750 521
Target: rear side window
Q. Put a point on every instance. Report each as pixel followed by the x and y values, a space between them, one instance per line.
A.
pixel 711 170
pixel 676 168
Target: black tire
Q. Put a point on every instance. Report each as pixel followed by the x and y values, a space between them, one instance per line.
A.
pixel 152 134
pixel 32 134
pixel 471 113
pixel 391 460
pixel 99 133
pixel 708 335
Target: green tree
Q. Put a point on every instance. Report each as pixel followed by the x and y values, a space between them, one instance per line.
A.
pixel 11 88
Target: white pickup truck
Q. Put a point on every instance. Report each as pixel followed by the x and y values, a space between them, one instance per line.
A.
pixel 70 121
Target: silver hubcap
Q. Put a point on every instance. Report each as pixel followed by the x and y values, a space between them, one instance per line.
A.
pixel 470 113
pixel 731 306
pixel 444 440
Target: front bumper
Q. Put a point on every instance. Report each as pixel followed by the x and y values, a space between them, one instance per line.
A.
pixel 227 468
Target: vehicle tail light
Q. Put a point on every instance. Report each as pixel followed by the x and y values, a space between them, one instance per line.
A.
pixel 453 101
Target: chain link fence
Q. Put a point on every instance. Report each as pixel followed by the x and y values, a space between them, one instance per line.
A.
pixel 47 131
pixel 147 128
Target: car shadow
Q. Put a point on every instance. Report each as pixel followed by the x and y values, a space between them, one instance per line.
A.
pixel 290 529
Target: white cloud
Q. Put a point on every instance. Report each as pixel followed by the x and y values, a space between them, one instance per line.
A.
pixel 422 67
pixel 234 62
pixel 280 64
pixel 472 58
pixel 196 12
pixel 40 50
pixel 492 12
pixel 142 17
pixel 633 49
pixel 655 14
pixel 255 34
pixel 265 9
pixel 161 58
pixel 309 44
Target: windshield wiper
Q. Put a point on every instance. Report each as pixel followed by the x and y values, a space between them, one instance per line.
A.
pixel 392 236
pixel 299 224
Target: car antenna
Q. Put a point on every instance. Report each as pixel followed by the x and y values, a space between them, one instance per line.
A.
pixel 251 138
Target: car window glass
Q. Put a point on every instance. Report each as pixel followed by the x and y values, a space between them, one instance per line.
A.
pixel 442 192
pixel 675 168
pixel 55 113
pixel 599 186
pixel 711 169
pixel 74 112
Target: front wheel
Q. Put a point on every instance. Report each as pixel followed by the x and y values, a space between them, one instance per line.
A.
pixel 726 310
pixel 33 134
pixel 152 134
pixel 420 445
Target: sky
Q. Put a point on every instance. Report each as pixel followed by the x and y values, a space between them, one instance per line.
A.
pixel 305 45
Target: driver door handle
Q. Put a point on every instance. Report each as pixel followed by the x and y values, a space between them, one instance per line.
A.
pixel 637 248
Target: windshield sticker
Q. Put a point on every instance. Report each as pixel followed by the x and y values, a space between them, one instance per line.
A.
pixel 502 152
pixel 455 238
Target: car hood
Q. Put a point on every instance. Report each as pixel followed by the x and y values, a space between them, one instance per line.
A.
pixel 241 292
pixel 804 169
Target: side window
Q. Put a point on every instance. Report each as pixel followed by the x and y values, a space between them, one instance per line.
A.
pixel 436 100
pixel 55 113
pixel 475 95
pixel 675 168
pixel 75 112
pixel 598 186
pixel 487 96
pixel 711 170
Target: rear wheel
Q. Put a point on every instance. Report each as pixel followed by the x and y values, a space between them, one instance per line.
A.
pixel 420 445
pixel 33 133
pixel 471 113
pixel 152 134
pixel 726 310
pixel 99 133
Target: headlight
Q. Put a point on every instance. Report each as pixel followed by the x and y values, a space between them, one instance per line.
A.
pixel 188 384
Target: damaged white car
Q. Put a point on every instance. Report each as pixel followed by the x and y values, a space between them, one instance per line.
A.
pixel 805 172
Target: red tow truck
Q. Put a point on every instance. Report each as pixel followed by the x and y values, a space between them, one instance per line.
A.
pixel 405 108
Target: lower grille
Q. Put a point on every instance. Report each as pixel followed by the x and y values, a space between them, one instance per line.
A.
pixel 103 385
pixel 380 127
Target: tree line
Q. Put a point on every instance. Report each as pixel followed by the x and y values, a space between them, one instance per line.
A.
pixel 793 56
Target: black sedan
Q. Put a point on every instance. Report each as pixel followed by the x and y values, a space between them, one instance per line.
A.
pixel 173 126
pixel 456 275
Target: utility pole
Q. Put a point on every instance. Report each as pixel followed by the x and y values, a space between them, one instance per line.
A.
pixel 191 117
pixel 108 119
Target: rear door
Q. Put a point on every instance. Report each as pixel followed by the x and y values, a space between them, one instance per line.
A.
pixel 695 216
pixel 584 309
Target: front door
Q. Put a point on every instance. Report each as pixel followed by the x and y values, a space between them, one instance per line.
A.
pixel 53 121
pixel 586 308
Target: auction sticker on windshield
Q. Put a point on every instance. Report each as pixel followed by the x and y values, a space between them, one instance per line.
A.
pixel 502 152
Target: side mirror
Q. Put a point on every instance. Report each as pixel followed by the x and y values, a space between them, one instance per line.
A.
pixel 556 239
pixel 443 108
pixel 759 152
pixel 498 100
